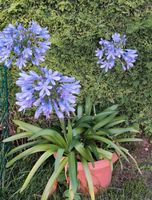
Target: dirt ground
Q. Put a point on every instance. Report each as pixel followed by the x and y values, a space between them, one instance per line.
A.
pixel 142 152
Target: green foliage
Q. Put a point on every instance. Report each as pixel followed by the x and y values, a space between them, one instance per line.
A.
pixel 76 27
pixel 89 137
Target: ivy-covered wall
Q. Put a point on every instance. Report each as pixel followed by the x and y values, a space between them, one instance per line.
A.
pixel 76 27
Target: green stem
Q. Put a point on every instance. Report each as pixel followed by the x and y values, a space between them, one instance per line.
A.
pixel 62 122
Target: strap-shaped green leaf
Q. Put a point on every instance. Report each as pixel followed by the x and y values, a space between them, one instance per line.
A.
pixel 89 178
pixel 100 116
pixel 69 135
pixel 114 107
pixel 84 152
pixel 110 143
pixel 79 111
pixel 104 153
pixel 26 126
pixel 21 147
pixel 39 162
pixel 84 125
pixel 71 193
pixel 77 131
pixel 72 167
pixel 53 178
pixel 118 131
pixel 88 105
pixel 116 121
pixel 18 136
pixel 129 140
pixel 54 136
pixel 84 119
pixel 104 121
pixel 32 150
pixel 93 148
pixel 58 157
pixel 101 132
pixel 110 110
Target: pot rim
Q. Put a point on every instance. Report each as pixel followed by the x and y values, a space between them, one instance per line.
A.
pixel 100 164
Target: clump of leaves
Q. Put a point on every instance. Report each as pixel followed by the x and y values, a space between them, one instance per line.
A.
pixel 85 138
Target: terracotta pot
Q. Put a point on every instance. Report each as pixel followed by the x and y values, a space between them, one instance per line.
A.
pixel 101 174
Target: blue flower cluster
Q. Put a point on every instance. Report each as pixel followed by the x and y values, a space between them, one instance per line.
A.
pixel 48 91
pixel 51 91
pixel 18 45
pixel 114 50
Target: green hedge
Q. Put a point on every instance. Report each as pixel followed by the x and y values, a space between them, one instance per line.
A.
pixel 76 27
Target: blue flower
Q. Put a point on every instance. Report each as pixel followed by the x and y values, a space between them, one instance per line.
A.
pixel 106 65
pixel 99 53
pixel 19 45
pixel 129 57
pixel 49 92
pixel 116 37
pixel 113 51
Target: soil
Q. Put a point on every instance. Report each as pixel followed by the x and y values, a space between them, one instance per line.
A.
pixel 142 152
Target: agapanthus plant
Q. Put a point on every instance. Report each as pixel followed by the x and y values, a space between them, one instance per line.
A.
pixel 19 45
pixel 48 91
pixel 113 51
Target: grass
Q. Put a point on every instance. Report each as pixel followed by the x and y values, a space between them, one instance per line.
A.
pixel 135 190
pixel 14 177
